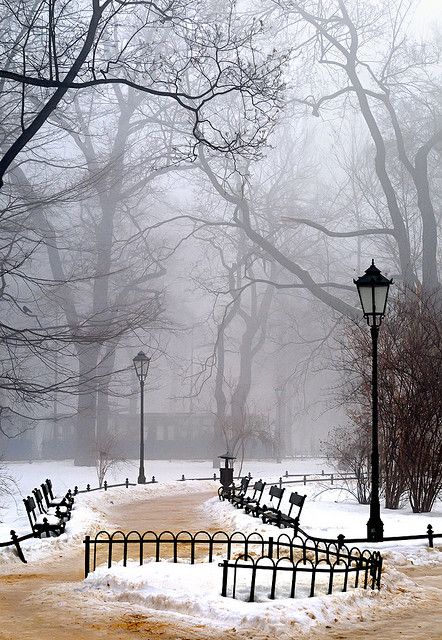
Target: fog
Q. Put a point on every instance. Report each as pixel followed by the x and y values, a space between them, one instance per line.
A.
pixel 202 182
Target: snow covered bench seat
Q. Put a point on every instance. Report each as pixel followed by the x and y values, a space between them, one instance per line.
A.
pixel 239 493
pixel 66 500
pixel 281 519
pixel 45 508
pixel 275 497
pixel 253 503
pixel 47 524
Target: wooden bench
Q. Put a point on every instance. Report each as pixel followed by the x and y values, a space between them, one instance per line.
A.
pixel 60 511
pixel 266 512
pixel 254 502
pixel 286 519
pixel 42 523
pixel 239 493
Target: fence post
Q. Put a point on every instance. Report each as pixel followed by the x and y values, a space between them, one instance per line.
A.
pixel 280 482
pixel 378 581
pixel 224 583
pixel 214 476
pixel 271 547
pixel 341 538
pixel 286 474
pixel 17 546
pixel 252 583
pixel 331 478
pixel 305 480
pixel 430 536
pixel 87 555
pixel 127 483
pixel 192 550
pixel 105 485
pixel 46 527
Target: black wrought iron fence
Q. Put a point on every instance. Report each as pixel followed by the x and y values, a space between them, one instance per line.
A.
pixel 111 548
pixel 249 552
pixel 15 542
pixel 340 572
pixel 429 536
pixel 107 486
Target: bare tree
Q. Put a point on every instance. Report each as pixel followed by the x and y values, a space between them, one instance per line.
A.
pixel 409 401
pixel 241 430
pixel 385 92
pixel 8 486
pixel 349 449
pixel 107 456
pixel 171 50
pixel 176 52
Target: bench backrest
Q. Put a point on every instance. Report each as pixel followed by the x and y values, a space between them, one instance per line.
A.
pixel 296 500
pixel 244 485
pixel 39 500
pixel 29 503
pixel 49 495
pixel 48 483
pixel 258 489
pixel 46 493
pixel 276 493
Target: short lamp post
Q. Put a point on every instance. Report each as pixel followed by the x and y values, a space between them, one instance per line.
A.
pixel 373 292
pixel 226 473
pixel 141 364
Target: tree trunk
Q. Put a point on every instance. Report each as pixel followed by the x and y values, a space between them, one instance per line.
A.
pixel 219 439
pixel 87 406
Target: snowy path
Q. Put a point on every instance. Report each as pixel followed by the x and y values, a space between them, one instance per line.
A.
pixel 48 600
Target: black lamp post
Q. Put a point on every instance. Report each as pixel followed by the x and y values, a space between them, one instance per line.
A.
pixel 141 364
pixel 373 292
pixel 226 473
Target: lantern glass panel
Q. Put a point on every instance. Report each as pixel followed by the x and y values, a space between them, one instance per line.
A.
pixel 380 298
pixel 365 294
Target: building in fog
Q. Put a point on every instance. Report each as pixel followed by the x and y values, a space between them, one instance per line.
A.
pixel 174 435
pixel 168 435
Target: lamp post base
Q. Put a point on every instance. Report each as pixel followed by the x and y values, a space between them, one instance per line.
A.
pixel 375 530
pixel 141 478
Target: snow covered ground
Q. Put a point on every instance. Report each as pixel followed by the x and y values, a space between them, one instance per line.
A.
pixel 192 593
pixel 65 475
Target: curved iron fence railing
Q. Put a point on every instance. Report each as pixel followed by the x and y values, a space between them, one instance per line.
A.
pixel 251 552
pixel 346 569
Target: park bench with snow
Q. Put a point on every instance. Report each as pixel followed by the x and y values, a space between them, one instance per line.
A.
pixel 65 500
pixel 267 511
pixel 43 524
pixel 61 511
pixel 239 493
pixel 254 502
pixel 281 519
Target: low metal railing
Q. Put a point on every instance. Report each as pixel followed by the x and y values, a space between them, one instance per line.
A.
pixel 366 573
pixel 430 536
pixel 15 541
pixel 251 552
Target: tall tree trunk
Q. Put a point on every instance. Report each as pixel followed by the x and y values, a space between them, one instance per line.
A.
pixel 105 371
pixel 85 444
pixel 219 439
